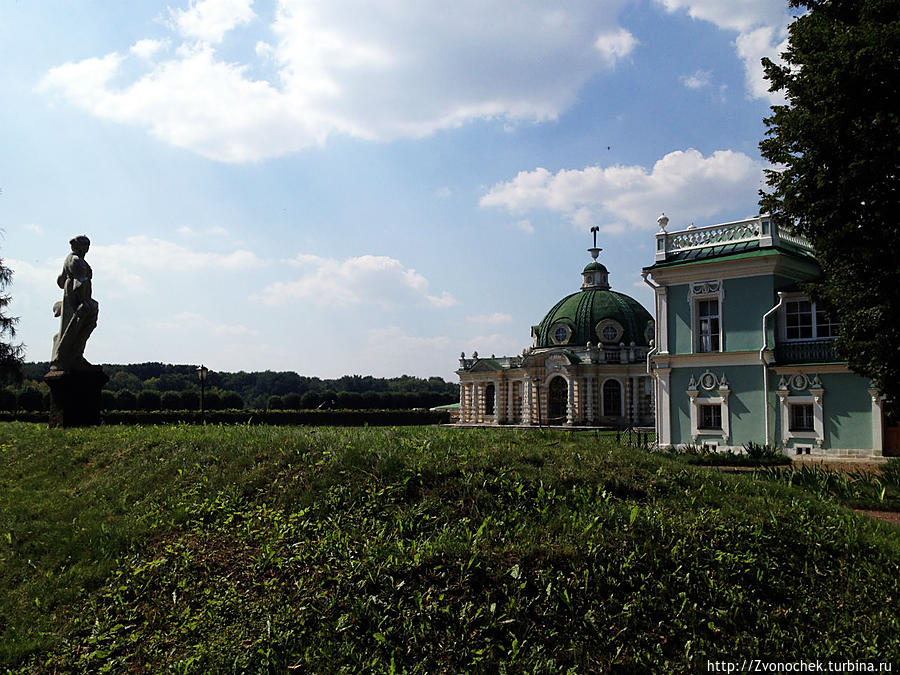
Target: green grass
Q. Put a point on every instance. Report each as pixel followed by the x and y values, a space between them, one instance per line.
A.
pixel 258 549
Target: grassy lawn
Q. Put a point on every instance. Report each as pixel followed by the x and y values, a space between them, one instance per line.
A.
pixel 291 549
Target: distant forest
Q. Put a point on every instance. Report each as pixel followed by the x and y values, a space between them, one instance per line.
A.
pixel 161 386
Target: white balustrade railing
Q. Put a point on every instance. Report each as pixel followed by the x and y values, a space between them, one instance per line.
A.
pixel 760 228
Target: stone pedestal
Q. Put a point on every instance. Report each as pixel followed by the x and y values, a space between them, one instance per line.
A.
pixel 75 397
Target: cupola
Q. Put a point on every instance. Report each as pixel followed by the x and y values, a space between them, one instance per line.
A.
pixel 594 276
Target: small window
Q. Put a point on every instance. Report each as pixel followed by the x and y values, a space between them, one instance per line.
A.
pixel 710 417
pixel 799 320
pixel 803 320
pixel 560 334
pixel 802 417
pixel 610 333
pixel 708 325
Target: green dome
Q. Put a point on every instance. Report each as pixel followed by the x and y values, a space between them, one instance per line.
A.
pixel 595 267
pixel 586 314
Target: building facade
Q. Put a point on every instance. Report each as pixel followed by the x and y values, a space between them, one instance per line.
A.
pixel 742 354
pixel 587 365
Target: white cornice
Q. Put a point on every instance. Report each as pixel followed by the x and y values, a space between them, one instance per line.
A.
pixel 731 269
pixel 748 358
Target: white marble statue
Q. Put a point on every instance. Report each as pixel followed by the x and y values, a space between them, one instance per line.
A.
pixel 77 310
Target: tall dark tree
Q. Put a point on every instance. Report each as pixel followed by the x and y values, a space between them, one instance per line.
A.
pixel 835 145
pixel 10 353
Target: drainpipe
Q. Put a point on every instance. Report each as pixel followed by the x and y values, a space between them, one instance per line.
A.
pixel 652 352
pixel 762 359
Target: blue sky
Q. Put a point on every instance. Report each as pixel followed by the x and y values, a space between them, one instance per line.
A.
pixel 371 186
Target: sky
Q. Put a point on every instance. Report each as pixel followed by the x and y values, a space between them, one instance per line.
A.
pixel 362 186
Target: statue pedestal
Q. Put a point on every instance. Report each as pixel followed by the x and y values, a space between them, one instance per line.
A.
pixel 75 397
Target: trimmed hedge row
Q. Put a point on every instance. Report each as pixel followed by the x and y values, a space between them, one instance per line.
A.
pixel 348 418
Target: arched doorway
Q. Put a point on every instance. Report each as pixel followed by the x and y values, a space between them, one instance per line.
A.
pixel 557 400
pixel 612 398
pixel 489 396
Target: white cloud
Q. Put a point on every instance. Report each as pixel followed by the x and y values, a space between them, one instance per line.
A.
pixel 681 182
pixel 761 26
pixel 495 318
pixel 698 80
pixel 370 279
pixel 443 192
pixel 524 225
pixel 33 228
pixel 186 322
pixel 209 20
pixel 615 45
pixel 147 49
pixel 381 70
pixel 190 232
pixel 496 344
pixel 752 47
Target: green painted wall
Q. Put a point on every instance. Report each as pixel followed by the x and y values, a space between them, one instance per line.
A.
pixel 744 403
pixel 679 313
pixel 747 299
pixel 847 408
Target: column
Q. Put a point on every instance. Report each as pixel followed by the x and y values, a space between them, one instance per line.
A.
pixel 527 411
pixel 476 401
pixel 589 386
pixel 497 415
pixel 462 403
pixel 663 415
pixel 635 399
pixel 510 395
pixel 570 407
pixel 877 423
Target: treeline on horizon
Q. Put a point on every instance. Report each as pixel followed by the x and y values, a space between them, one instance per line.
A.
pixel 160 386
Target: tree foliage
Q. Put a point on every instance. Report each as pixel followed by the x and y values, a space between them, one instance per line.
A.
pixel 10 353
pixel 835 144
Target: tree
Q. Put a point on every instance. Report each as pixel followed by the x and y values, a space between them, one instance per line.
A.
pixel 148 399
pixel 10 354
pixel 834 145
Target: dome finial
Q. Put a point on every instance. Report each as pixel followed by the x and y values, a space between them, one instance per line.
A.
pixel 594 251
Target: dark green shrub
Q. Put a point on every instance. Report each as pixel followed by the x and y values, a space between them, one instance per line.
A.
pixel 757 451
pixel 107 400
pixel 291 401
pixel 7 399
pixel 170 400
pixel 275 403
pixel 310 400
pixel 30 398
pixel 231 400
pixel 125 400
pixel 148 399
pixel 213 401
pixel 190 400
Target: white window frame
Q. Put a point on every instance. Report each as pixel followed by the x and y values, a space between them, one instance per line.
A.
pixel 782 316
pixel 786 400
pixel 703 291
pixel 722 401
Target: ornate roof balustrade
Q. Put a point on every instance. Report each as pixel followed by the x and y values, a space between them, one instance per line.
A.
pixel 580 354
pixel 758 232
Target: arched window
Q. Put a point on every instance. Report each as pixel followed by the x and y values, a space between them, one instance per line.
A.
pixel 612 398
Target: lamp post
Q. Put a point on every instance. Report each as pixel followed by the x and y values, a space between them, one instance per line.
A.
pixel 201 373
pixel 537 389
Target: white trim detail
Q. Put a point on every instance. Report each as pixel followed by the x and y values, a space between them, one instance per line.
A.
pixel 699 291
pixel 815 397
pixel 710 383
